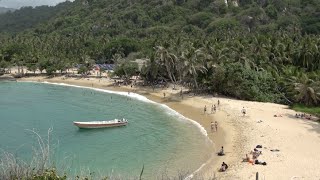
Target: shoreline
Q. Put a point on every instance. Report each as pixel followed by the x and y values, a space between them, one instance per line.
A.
pixel 236 133
pixel 172 101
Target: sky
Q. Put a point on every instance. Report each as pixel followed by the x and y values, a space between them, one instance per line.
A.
pixel 20 3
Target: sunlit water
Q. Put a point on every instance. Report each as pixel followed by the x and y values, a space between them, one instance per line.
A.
pixel 156 137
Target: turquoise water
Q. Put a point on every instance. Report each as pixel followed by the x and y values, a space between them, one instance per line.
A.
pixel 155 137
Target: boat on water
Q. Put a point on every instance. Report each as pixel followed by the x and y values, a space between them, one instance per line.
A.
pixel 101 124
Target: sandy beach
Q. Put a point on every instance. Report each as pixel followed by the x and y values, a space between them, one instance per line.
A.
pixel 297 140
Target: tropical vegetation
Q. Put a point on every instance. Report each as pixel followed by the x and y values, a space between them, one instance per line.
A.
pixel 247 49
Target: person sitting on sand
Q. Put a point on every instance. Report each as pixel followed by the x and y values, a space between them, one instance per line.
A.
pixel 224 167
pixel 308 117
pixel 221 152
pixel 279 115
pixel 247 158
pixel 256 153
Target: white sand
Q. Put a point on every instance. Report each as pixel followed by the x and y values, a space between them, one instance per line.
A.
pixel 297 139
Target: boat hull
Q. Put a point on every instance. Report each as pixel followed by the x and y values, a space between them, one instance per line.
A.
pixel 96 126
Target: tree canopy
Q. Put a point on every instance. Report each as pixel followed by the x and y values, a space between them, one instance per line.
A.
pixel 253 50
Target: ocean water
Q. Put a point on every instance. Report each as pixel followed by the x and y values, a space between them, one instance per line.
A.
pixel 156 137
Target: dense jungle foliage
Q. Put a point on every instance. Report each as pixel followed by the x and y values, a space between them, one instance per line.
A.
pixel 264 50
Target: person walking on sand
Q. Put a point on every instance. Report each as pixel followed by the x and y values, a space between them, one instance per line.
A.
pixel 181 94
pixel 243 111
pixel 218 102
pixel 212 109
pixel 205 109
pixel 212 126
pixel 215 108
pixel 216 125
pixel 164 95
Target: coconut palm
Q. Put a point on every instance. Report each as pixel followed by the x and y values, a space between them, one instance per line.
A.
pixel 194 61
pixel 168 59
pixel 307 90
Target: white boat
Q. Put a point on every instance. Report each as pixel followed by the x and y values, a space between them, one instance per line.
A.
pixel 101 124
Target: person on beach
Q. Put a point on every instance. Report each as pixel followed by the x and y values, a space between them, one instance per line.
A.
pixel 224 167
pixel 218 102
pixel 221 152
pixel 212 109
pixel 205 109
pixel 246 159
pixel 164 95
pixel 243 111
pixel 212 126
pixel 216 125
pixel 255 153
pixel 181 94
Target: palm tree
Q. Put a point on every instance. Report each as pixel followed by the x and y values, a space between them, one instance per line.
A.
pixel 194 60
pixel 307 90
pixel 168 60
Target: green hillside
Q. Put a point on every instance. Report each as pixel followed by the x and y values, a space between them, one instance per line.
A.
pixel 254 50
pixel 149 16
pixel 28 17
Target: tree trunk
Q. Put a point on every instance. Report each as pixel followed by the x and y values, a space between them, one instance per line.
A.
pixel 195 81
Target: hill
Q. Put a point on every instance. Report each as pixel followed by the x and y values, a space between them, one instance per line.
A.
pixel 248 49
pixel 27 17
pixel 197 16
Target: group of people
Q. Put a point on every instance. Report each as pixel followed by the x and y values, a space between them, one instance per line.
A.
pixel 303 116
pixel 214 126
pixel 213 108
pixel 253 156
pixel 224 166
